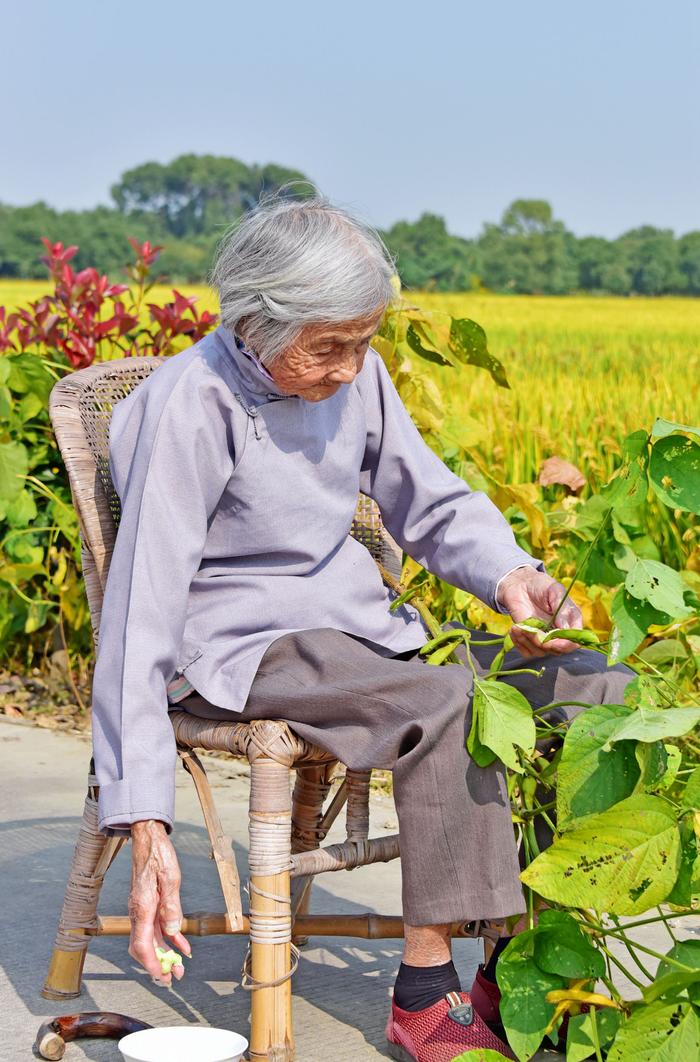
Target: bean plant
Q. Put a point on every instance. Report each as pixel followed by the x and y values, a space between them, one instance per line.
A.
pixel 617 790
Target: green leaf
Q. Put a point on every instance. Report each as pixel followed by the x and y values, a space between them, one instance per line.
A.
pixel 505 720
pixel 14 465
pixel 482 756
pixel 29 406
pixel 654 724
pixel 690 797
pixel 666 427
pixel 681 895
pixel 468 343
pixel 634 445
pixel 627 488
pixel 525 1012
pixel 573 635
pixel 674 471
pixel 589 779
pixel 631 621
pixel 674 758
pixel 561 947
pixel 658 584
pixel 658 1032
pixel 28 373
pixel 687 952
pixel 625 557
pixel 643 691
pixel 653 762
pixel 665 651
pixel 22 510
pixel 580 1041
pixel 623 861
pixel 420 344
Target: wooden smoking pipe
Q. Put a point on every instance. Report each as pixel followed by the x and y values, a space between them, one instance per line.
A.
pixel 53 1035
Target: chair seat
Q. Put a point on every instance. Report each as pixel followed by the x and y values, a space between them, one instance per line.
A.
pixel 269 738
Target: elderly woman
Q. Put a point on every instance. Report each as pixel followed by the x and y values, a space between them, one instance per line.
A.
pixel 236 592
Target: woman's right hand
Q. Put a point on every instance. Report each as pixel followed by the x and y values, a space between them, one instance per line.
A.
pixel 154 900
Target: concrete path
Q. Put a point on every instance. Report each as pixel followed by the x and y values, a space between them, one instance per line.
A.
pixel 342 987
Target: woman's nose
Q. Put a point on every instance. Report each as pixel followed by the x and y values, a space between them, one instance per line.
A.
pixel 347 371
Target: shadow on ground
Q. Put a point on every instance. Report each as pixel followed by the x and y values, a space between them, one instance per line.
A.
pixel 341 988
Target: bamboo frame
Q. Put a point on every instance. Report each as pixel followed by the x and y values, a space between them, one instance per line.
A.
pixel 80 408
pixel 221 843
pixel 367 926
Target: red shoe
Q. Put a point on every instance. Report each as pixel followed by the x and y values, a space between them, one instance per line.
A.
pixel 441 1032
pixel 486 999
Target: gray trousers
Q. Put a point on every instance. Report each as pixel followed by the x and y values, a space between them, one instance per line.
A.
pixel 459 859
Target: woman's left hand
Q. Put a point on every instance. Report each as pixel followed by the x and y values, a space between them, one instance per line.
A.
pixel 527 592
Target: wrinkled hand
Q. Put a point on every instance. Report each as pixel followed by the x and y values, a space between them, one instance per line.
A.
pixel 527 592
pixel 154 900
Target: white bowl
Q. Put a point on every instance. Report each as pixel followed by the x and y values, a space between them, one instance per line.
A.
pixel 183 1043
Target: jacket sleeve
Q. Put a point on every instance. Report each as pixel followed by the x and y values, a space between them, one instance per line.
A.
pixel 170 458
pixel 455 532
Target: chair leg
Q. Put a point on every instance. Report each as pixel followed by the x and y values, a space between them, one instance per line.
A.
pixel 271 1037
pixel 92 857
pixel 310 791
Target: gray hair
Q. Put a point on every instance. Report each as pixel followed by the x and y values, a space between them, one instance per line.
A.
pixel 289 263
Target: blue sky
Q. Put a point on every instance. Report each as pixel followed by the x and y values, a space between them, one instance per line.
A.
pixel 392 108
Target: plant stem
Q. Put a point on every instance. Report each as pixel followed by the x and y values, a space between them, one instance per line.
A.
pixel 580 566
pixel 649 951
pixel 646 921
pixel 517 671
pixel 613 958
pixel 561 704
pixel 670 932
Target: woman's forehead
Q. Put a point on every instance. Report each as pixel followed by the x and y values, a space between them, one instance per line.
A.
pixel 341 331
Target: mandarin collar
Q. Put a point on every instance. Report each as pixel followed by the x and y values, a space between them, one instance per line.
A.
pixel 256 382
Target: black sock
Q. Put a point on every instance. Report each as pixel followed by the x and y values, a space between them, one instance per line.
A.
pixel 418 987
pixel 489 970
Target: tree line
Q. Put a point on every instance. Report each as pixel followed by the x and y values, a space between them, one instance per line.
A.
pixel 188 203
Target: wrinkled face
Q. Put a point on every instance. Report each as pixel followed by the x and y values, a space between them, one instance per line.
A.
pixel 324 356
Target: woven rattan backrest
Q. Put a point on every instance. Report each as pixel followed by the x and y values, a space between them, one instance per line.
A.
pixel 80 408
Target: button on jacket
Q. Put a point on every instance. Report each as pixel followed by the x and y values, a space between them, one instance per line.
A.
pixel 236 503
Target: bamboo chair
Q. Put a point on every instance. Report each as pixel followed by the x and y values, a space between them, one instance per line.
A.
pixel 286 829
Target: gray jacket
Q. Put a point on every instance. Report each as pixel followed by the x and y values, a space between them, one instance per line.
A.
pixel 236 505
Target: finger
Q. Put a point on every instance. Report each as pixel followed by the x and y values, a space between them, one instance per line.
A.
pixel 171 921
pixel 572 619
pixel 142 948
pixel 169 908
pixel 526 644
pixel 181 944
pixel 569 615
pixel 142 941
pixel 560 645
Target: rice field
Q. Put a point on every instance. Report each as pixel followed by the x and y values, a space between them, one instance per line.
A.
pixel 584 371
